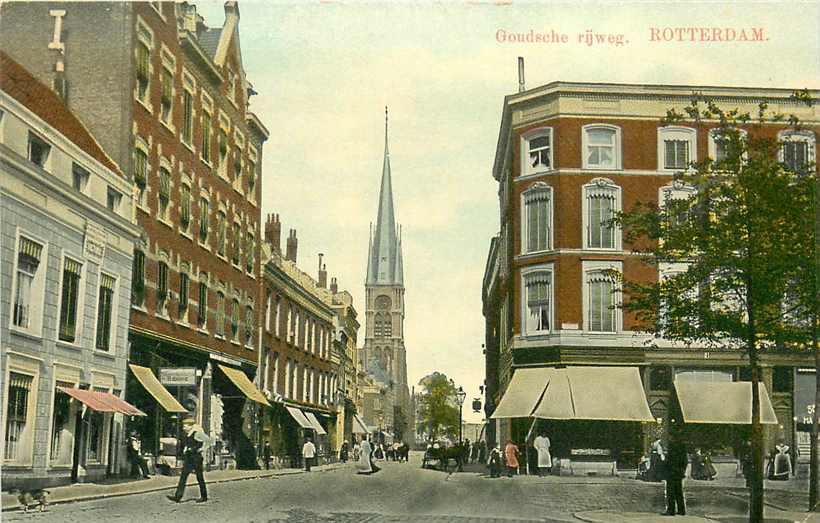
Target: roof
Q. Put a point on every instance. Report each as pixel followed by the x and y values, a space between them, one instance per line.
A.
pixel 209 40
pixel 21 85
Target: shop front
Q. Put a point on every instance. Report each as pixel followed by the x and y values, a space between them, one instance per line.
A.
pixel 241 406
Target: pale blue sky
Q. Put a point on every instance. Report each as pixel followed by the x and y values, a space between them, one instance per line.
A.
pixel 325 71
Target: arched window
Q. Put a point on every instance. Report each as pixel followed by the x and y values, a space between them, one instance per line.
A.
pixel 601 146
pixel 536 219
pixel 602 200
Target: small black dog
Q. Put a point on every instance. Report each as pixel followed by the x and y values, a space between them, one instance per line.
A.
pixel 29 498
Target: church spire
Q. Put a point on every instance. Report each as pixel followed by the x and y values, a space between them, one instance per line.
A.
pixel 384 250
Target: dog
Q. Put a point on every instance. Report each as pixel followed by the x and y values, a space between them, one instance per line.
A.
pixel 29 498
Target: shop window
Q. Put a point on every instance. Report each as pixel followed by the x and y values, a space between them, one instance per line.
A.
pixel 95 452
pixel 62 427
pixel 660 378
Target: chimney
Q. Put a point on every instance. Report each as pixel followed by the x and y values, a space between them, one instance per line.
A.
pixel 322 273
pixel 521 87
pixel 334 286
pixel 273 233
pixel 290 254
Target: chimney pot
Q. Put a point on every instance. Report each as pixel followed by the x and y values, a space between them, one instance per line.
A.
pixel 521 87
pixel 322 274
pixel 291 246
pixel 334 286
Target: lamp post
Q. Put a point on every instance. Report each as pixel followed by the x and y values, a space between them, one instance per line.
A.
pixel 460 396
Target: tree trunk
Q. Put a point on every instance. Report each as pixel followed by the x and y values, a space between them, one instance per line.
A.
pixel 756 481
pixel 814 466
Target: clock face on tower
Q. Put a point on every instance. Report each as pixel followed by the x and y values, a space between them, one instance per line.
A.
pixel 382 303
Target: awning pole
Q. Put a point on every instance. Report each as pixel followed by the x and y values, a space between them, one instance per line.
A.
pixel 526 451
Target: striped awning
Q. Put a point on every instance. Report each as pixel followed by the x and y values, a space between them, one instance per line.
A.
pixel 30 248
pixel 300 418
pixel 74 267
pixel 315 422
pixel 102 401
pixel 107 281
pixel 359 426
pixel 156 389
pixel 245 385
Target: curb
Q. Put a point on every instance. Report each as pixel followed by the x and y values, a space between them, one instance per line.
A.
pixel 108 495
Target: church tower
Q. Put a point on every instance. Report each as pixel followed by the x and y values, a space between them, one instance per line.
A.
pixel 384 352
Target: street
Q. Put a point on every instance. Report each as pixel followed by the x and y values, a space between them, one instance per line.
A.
pixel 402 492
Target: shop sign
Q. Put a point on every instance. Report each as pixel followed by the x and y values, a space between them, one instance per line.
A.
pixel 178 377
pixel 804 390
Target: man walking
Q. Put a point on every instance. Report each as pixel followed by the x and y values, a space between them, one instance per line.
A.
pixel 195 442
pixel 308 452
pixel 134 451
pixel 677 460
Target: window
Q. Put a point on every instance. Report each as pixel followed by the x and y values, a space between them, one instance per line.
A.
pixel 249 252
pixel 138 279
pixel 249 326
pixel 95 452
pixel 206 137
pixel 223 149
pixel 237 165
pixel 251 178
pixel 187 116
pixel 183 295
pixel 600 297
pixel 162 289
pixel 602 199
pixel 140 172
pixel 720 142
pixel 167 97
pixel 237 244
pixel 69 317
pixel 28 263
pixel 113 199
pixel 536 151
pixel 18 408
pixel 674 201
pixel 184 208
pixel 202 315
pixel 143 71
pixel 79 177
pixel 38 150
pixel 278 318
pixel 677 147
pixel 203 220
pixel 221 231
pixel 267 311
pixel 220 314
pixel 164 193
pixel 601 147
pixel 797 150
pixel 231 86
pixel 310 334
pixel 235 320
pixel 538 287
pixel 537 218
pixel 105 311
pixel 62 426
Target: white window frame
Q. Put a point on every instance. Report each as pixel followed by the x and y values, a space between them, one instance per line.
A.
pixel 794 135
pixel 78 328
pixel 589 267
pixel 600 184
pixel 38 287
pixel 543 268
pixel 28 366
pixel 188 86
pixel 142 193
pixel 112 337
pixel 536 187
pixel 712 146
pixel 672 132
pixel 145 36
pixel 169 64
pixel 526 168
pixel 617 162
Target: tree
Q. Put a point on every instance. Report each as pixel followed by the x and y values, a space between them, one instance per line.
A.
pixel 438 414
pixel 728 247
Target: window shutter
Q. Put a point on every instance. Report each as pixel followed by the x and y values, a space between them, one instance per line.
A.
pixel 73 267
pixel 30 251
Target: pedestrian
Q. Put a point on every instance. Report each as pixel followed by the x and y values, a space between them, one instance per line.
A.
pixel 677 459
pixel 309 453
pixel 542 446
pixel 343 452
pixel 482 452
pixel 134 451
pixel 782 464
pixel 357 449
pixel 494 462
pixel 657 461
pixel 511 455
pixel 266 454
pixel 194 444
pixel 365 464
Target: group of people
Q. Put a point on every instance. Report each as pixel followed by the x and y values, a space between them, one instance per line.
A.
pixel 365 454
pixel 508 459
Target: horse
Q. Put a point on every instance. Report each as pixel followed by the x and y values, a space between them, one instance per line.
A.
pixel 444 455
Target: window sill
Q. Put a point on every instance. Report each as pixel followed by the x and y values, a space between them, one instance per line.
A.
pixel 237 267
pixel 222 257
pixel 15 465
pixel 143 208
pixel 104 354
pixel 237 190
pixel 169 127
pixel 163 316
pixel 538 252
pixel 69 345
pixel 145 105
pixel 252 200
pixel 598 250
pixel 601 168
pixel 219 336
pixel 250 275
pixel 207 163
pixel 202 330
pixel 234 342
pixel 165 222
pixel 188 146
pixel 140 308
pixel 205 246
pixel 527 176
pixel 183 323
pixel 185 234
pixel 24 333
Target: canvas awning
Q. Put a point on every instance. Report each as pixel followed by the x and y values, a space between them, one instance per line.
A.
pixel 722 402
pixel 102 401
pixel 359 426
pixel 166 400
pixel 240 379
pixel 523 393
pixel 315 422
pixel 300 418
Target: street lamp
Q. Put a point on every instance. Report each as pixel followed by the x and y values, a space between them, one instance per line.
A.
pixel 460 396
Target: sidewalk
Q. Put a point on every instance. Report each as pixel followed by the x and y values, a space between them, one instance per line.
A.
pixel 771 516
pixel 91 491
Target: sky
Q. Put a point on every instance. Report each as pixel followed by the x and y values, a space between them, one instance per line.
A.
pixel 325 70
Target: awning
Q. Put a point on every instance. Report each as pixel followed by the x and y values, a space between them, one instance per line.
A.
pixel 102 401
pixel 523 393
pixel 245 385
pixel 300 418
pixel 315 422
pixel 359 427
pixel 156 389
pixel 722 402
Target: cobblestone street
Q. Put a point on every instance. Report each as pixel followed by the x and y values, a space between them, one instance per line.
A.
pixel 406 493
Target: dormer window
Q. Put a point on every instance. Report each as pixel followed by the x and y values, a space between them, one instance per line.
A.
pixel 38 150
pixel 536 151
pixel 79 178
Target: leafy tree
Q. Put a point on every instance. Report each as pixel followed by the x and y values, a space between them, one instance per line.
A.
pixel 734 239
pixel 438 413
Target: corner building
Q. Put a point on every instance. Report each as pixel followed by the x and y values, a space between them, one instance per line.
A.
pixel 569 156
pixel 167 97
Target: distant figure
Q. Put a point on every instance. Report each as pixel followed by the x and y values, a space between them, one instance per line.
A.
pixel 482 452
pixel 494 462
pixel 366 465
pixel 378 452
pixel 357 450
pixel 511 455
pixel 195 444
pixel 675 472
pixel 343 452
pixel 657 462
pixel 309 453
pixel 782 469
pixel 266 454
pixel 702 467
pixel 134 451
pixel 542 446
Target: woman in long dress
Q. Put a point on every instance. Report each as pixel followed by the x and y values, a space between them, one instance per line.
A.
pixel 365 466
pixel 542 446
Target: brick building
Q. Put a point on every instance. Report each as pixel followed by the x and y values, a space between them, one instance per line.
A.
pixel 67 234
pixel 168 98
pixel 297 371
pixel 569 155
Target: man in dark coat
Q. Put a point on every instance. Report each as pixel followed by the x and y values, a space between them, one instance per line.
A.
pixel 677 460
pixel 195 443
